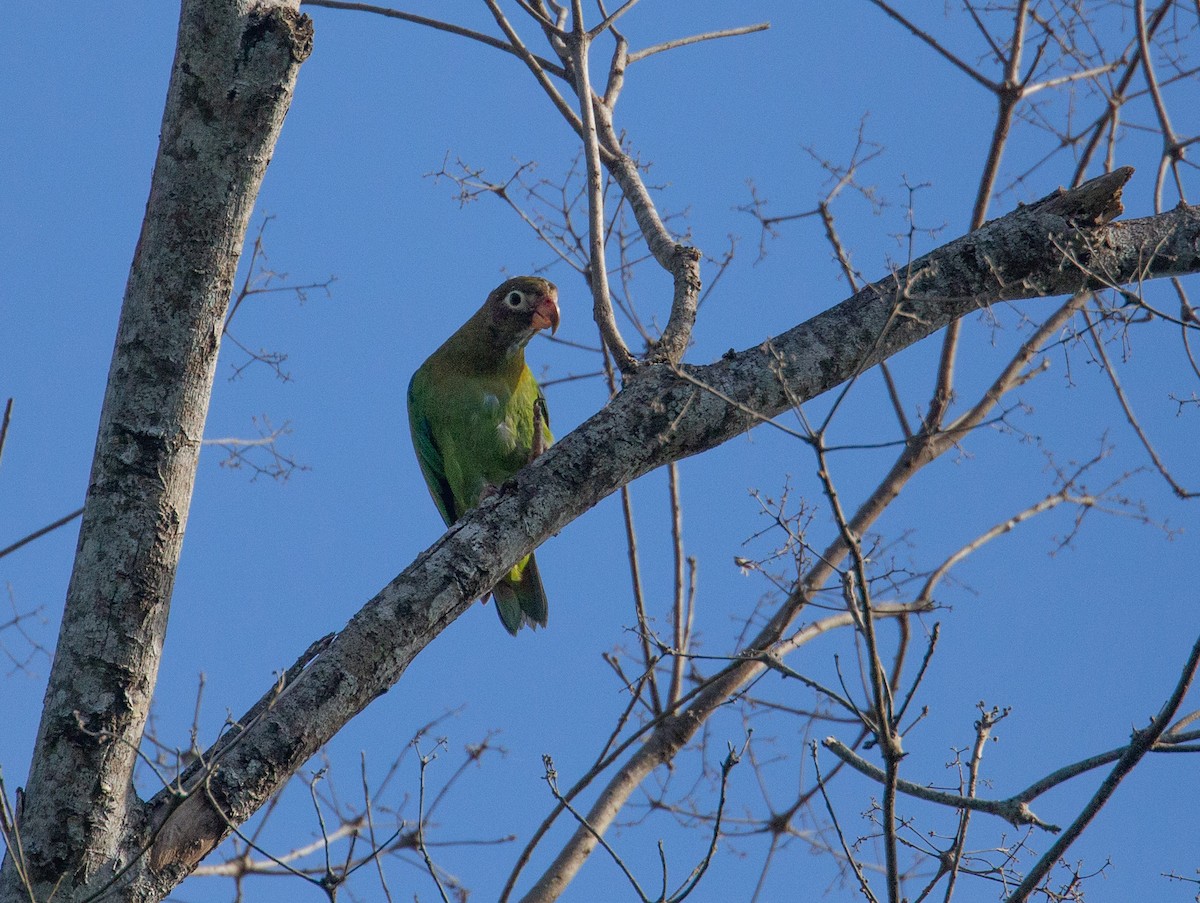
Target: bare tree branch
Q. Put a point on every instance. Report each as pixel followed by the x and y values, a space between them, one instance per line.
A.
pixel 1012 810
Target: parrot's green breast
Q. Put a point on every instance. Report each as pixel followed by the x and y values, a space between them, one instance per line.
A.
pixel 471 431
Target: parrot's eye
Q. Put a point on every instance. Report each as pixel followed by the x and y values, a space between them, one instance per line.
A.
pixel 514 299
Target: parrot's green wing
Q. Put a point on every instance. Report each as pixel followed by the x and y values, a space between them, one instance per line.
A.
pixel 428 455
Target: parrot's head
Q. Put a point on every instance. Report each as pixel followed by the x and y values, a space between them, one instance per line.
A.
pixel 521 306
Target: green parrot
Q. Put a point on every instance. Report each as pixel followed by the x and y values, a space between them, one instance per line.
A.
pixel 478 416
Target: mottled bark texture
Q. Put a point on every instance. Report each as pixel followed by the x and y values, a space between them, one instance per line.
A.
pixel 80 821
pixel 661 415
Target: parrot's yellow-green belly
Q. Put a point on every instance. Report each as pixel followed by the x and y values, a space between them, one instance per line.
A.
pixel 485 434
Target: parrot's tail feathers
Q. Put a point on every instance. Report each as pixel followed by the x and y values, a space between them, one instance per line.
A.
pixel 520 598
pixel 533 596
pixel 508 608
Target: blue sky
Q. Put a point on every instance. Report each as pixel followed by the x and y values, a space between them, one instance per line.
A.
pixel 1083 644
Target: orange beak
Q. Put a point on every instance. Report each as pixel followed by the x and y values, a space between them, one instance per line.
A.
pixel 545 315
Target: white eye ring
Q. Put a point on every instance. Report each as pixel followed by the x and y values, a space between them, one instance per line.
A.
pixel 514 299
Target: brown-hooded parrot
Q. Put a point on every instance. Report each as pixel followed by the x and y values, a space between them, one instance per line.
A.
pixel 477 417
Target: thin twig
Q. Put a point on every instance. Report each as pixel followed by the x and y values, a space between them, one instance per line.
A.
pixel 10 831
pixel 438 25
pixel 697 38
pixel 37 534
pixel 1143 742
pixel 936 45
pixel 367 811
pixel 1130 417
pixel 678 615
pixel 422 848
pixel 8 408
pixel 863 885
pixel 536 66
pixel 551 778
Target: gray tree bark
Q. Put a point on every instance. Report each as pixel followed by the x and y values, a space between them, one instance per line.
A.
pixel 80 821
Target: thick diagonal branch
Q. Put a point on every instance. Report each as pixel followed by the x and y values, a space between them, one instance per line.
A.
pixel 658 418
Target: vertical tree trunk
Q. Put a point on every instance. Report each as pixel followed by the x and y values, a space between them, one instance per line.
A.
pixel 231 84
